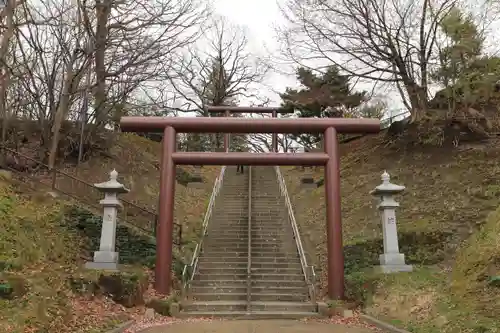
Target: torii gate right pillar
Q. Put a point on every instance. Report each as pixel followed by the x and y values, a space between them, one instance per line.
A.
pixel 333 215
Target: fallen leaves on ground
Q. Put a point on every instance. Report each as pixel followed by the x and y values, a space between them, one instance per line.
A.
pixel 146 323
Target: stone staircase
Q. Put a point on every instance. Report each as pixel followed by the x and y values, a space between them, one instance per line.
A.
pixel 229 281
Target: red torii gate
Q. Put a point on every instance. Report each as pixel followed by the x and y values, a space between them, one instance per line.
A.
pixel 249 109
pixel 330 159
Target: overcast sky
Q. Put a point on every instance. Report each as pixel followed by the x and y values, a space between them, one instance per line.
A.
pixel 260 17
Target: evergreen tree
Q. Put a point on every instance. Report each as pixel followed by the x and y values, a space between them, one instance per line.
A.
pixel 322 96
pixel 469 77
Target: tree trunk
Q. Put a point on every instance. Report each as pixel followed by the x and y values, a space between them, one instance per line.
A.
pixel 103 10
pixel 418 100
pixel 62 110
pixel 4 70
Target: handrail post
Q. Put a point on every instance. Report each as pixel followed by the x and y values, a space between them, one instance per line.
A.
pixel 54 178
pixel 249 249
pixel 180 235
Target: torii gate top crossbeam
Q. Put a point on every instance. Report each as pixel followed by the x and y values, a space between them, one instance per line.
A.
pixel 248 125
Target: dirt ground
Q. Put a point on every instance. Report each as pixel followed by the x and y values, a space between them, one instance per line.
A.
pixel 254 326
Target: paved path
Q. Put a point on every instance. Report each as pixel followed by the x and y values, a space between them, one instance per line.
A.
pixel 255 326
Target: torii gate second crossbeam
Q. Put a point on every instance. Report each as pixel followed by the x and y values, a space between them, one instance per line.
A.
pixel 330 159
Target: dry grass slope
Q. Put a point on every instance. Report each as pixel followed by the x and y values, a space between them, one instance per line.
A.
pixel 137 161
pixel 37 249
pixel 449 195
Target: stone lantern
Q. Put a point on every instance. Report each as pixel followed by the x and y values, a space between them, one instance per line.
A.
pixel 307 180
pixel 196 178
pixel 106 258
pixel 391 260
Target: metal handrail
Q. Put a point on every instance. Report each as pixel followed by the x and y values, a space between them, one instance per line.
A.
pixel 208 214
pixel 308 270
pixel 388 121
pixel 249 262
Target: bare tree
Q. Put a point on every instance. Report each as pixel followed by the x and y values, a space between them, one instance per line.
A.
pixel 135 42
pixel 219 70
pixel 392 41
pixel 262 142
pixel 121 48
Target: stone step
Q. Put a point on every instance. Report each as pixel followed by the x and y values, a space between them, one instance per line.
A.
pixel 252 315
pixel 283 306
pixel 217 296
pixel 290 265
pixel 280 256
pixel 273 251
pixel 270 270
pixel 277 277
pixel 268 230
pixel 222 247
pixel 242 226
pixel 226 246
pixel 238 270
pixel 243 244
pixel 268 225
pixel 255 264
pixel 293 264
pixel 268 216
pixel 268 297
pixel 215 306
pixel 259 238
pixel 286 257
pixel 220 277
pixel 258 242
pixel 235 233
pixel 267 219
pixel 275 257
pixel 219 254
pixel 236 229
pixel 226 241
pixel 273 283
pixel 222 264
pixel 234 260
pixel 212 283
pixel 277 289
pixel 230 212
pixel 219 289
pixel 276 210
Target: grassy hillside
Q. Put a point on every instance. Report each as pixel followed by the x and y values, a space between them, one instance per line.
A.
pixel 46 240
pixel 448 228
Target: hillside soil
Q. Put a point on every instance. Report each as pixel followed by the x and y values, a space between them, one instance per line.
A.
pixel 47 238
pixel 448 227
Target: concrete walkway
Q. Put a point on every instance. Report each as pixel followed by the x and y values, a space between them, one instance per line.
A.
pixel 255 326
